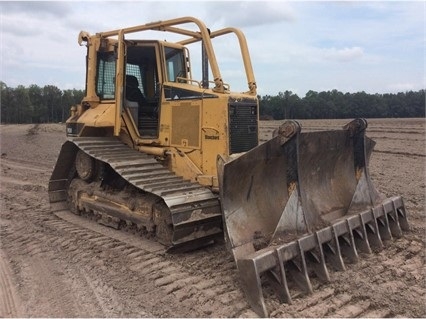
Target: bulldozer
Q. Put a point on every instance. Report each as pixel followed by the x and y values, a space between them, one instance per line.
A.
pixel 177 158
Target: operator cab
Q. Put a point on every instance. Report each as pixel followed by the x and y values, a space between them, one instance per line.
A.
pixel 142 83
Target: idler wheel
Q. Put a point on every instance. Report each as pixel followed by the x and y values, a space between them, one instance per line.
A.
pixel 85 166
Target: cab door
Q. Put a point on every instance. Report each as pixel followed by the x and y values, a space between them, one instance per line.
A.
pixel 142 89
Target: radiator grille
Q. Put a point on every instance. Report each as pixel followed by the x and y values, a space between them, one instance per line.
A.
pixel 243 126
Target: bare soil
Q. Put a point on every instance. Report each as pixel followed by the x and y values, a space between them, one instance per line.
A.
pixel 54 265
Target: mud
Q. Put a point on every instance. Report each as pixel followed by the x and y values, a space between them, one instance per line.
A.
pixel 65 266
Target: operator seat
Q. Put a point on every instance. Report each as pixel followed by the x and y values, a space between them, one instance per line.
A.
pixel 133 93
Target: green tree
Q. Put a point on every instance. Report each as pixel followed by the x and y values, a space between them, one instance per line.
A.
pixel 6 103
pixel 52 97
pixel 39 114
pixel 23 108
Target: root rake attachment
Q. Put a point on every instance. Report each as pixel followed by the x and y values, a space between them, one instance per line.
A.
pixel 300 202
pixel 310 254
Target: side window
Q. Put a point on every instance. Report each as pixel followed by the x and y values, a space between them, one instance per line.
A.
pixel 105 80
pixel 175 64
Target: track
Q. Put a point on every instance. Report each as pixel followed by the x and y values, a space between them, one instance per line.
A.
pixel 194 211
pixel 69 266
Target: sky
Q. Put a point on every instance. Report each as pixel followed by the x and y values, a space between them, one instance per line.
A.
pixel 350 46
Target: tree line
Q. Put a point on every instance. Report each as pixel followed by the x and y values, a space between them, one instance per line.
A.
pixel 49 104
pixel 35 104
pixel 337 105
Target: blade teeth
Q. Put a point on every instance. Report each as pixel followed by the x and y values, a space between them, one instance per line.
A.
pixel 286 297
pixel 346 241
pixel 299 271
pixel 333 254
pixel 356 225
pixel 320 267
pixel 372 229
pixel 394 221
pixel 383 223
pixel 390 220
pixel 250 278
pixel 402 217
pixel 313 251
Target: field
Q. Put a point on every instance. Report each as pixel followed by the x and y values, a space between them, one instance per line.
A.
pixel 66 266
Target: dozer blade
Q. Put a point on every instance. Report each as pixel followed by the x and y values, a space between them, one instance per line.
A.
pixel 299 202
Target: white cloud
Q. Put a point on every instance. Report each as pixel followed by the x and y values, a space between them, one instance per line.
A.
pixel 342 55
pixel 41 9
pixel 247 14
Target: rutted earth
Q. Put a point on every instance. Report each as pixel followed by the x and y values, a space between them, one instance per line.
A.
pixel 66 266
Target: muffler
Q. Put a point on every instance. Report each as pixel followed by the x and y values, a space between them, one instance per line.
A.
pixel 300 202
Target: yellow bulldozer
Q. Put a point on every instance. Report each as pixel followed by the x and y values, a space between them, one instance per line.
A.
pixel 177 158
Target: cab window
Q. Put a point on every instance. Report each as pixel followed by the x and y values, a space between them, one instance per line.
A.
pixel 105 77
pixel 175 64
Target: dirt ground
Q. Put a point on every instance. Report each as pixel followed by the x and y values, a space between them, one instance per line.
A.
pixel 65 266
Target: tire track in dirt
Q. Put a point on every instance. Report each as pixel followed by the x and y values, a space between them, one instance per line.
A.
pixel 176 275
pixel 35 249
pixel 9 300
pixel 400 153
pixel 26 236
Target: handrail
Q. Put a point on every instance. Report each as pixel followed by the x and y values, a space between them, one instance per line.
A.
pixel 204 35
